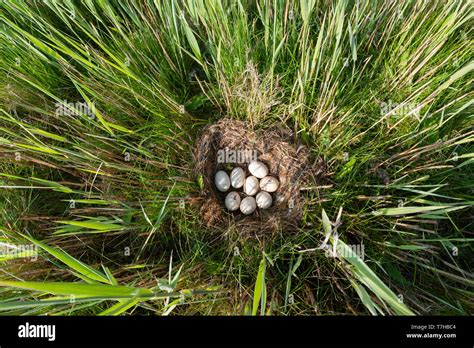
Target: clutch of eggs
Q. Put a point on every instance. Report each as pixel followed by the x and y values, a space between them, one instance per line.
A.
pixel 256 187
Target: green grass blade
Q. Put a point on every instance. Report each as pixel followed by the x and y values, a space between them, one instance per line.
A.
pixel 70 261
pixel 260 291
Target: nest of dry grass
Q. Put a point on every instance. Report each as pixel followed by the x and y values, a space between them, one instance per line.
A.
pixel 277 148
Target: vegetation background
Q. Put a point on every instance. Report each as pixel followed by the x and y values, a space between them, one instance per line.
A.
pixel 380 90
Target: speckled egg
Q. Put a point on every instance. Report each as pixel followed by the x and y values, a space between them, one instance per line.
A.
pixel 222 181
pixel 264 200
pixel 251 185
pixel 269 184
pixel 248 205
pixel 258 169
pixel 232 201
pixel 237 177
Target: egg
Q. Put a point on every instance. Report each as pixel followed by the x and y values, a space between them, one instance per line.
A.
pixel 237 177
pixel 251 185
pixel 258 169
pixel 222 181
pixel 269 184
pixel 248 205
pixel 264 200
pixel 232 201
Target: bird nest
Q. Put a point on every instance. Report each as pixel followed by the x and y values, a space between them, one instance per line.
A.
pixel 228 141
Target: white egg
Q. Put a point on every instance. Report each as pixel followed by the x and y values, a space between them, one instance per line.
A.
pixel 222 181
pixel 264 200
pixel 232 201
pixel 248 205
pixel 258 169
pixel 269 184
pixel 251 185
pixel 237 177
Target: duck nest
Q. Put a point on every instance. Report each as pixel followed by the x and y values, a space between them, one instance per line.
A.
pixel 230 143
